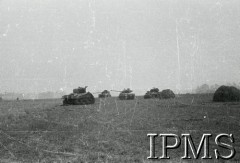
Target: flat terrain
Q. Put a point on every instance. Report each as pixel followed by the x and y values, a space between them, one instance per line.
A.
pixel 110 130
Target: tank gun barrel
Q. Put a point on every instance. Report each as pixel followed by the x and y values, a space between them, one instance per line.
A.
pixel 115 91
pixel 96 92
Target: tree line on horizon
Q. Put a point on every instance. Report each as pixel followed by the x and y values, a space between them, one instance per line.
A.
pixel 202 89
pixel 41 95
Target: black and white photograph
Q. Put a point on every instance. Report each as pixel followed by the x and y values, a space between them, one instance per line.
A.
pixel 119 81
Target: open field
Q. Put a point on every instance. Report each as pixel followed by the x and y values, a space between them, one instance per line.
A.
pixel 110 130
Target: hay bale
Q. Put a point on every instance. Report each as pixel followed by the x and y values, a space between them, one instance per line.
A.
pixel 226 94
pixel 167 93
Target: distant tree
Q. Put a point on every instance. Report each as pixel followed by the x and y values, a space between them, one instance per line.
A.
pixel 203 89
pixel 213 88
pixel 128 90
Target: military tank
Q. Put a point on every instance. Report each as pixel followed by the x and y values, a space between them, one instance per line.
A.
pixel 147 95
pixel 104 94
pixel 79 97
pixel 126 94
pixel 153 93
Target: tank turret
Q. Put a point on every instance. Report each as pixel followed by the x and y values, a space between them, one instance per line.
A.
pixel 153 93
pixel 80 90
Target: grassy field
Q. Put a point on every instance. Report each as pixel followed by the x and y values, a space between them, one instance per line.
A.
pixel 110 130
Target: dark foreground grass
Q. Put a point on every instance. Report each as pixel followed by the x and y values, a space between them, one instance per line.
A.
pixel 110 130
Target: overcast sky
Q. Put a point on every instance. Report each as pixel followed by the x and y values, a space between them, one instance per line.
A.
pixel 115 44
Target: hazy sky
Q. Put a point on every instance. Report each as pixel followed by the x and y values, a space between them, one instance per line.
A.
pixel 115 44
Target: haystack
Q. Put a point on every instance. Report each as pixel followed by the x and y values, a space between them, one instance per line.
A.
pixel 167 93
pixel 226 94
